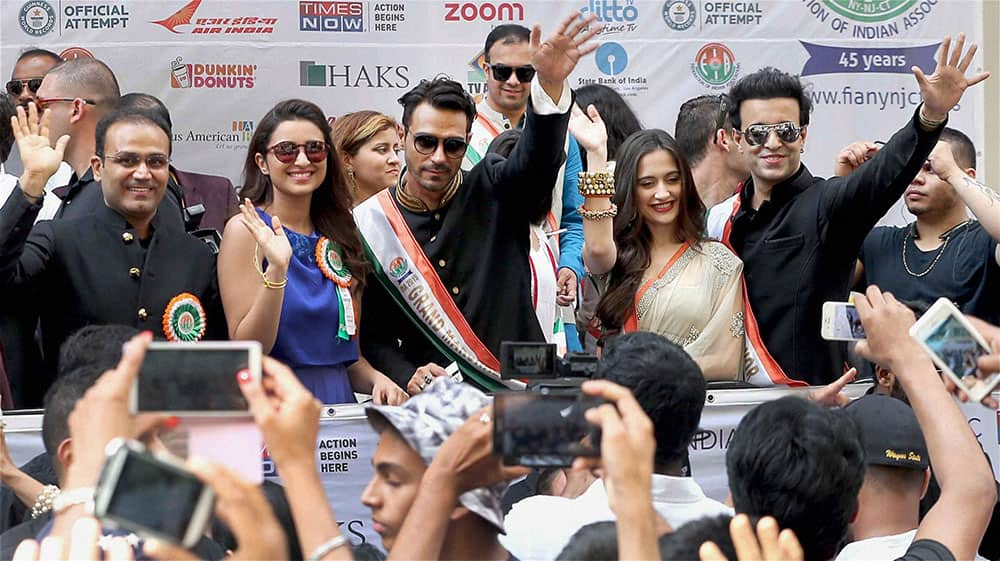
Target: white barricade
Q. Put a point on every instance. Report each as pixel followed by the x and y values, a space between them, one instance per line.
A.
pixel 346 444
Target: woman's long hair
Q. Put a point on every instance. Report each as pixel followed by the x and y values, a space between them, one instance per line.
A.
pixel 330 208
pixel 632 236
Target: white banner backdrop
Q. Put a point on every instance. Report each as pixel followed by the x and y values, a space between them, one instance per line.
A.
pixel 346 445
pixel 220 64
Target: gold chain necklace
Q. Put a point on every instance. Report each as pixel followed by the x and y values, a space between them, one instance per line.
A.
pixel 945 236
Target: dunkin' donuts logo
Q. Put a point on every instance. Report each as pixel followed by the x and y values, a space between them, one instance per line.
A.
pixel 212 76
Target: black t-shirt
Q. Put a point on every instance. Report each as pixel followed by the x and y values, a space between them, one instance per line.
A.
pixel 966 272
pixel 927 550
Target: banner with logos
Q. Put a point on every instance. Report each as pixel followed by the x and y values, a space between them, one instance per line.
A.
pixel 219 65
pixel 346 445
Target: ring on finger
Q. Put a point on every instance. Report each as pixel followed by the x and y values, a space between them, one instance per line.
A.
pixel 428 379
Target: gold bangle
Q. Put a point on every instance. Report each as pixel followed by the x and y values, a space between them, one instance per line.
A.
pixel 596 184
pixel 587 214
pixel 260 271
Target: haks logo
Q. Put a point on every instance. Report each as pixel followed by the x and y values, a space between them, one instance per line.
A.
pixel 332 16
pixel 243 25
pixel 484 11
pixel 353 75
pixel 202 75
pixel 715 66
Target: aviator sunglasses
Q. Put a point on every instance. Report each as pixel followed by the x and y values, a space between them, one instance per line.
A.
pixel 787 132
pixel 502 72
pixel 427 144
pixel 287 152
pixel 15 87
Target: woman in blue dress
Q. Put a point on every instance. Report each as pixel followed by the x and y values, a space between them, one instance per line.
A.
pixel 291 266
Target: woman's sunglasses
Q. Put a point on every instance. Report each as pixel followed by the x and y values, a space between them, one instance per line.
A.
pixel 15 87
pixel 287 152
pixel 787 132
pixel 502 72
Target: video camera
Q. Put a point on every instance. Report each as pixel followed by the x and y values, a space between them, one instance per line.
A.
pixel 539 361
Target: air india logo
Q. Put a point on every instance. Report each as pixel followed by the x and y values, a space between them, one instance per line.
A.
pixel 869 10
pixel 715 66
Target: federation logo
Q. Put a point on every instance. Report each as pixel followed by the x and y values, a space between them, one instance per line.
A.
pixel 869 10
pixel 398 268
pixel 679 14
pixel 715 65
pixel 75 52
pixel 37 18
pixel 611 58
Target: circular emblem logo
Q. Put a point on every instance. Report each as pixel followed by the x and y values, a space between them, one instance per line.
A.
pixel 184 318
pixel 679 14
pixel 715 64
pixel 37 18
pixel 75 52
pixel 398 268
pixel 611 58
pixel 869 10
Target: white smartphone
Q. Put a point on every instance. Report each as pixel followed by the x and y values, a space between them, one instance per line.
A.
pixel 197 379
pixel 841 322
pixel 152 495
pixel 955 346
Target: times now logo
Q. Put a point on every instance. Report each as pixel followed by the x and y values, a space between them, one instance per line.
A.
pixel 483 11
pixel 331 16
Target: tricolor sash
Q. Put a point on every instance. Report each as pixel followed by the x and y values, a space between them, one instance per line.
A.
pixel 403 269
pixel 632 321
pixel 761 368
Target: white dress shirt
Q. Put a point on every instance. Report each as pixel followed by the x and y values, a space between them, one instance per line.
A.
pixel 50 204
pixel 882 548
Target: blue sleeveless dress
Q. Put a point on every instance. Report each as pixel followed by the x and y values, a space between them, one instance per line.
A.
pixel 307 331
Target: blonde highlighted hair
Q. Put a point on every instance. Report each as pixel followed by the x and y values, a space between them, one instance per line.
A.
pixel 352 131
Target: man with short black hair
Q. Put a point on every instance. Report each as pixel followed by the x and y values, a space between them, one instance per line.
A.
pixel 798 235
pixel 26 76
pixel 670 388
pixel 705 135
pixel 449 249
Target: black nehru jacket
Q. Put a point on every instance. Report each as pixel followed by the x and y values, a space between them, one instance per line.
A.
pixel 479 244
pixel 95 270
pixel 799 248
pixel 84 195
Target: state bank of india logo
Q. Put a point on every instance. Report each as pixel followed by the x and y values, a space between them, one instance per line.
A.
pixel 37 18
pixel 869 10
pixel 398 268
pixel 715 66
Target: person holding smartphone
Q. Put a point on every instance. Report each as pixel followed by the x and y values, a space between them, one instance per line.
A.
pixel 291 266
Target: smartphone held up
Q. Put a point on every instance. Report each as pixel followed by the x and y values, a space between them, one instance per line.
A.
pixel 538 429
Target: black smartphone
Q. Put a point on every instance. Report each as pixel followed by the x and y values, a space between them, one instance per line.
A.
pixel 152 496
pixel 544 429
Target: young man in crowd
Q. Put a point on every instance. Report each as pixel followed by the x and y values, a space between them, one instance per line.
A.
pixel 469 285
pixel 705 135
pixel 671 390
pixel 799 236
pixel 126 263
pixel 944 252
pixel 508 71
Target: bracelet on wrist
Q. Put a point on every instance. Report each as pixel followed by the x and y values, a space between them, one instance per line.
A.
pixel 44 501
pixel 79 496
pixel 929 123
pixel 596 184
pixel 587 214
pixel 263 276
pixel 327 546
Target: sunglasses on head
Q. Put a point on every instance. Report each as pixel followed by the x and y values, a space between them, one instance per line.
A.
pixel 15 87
pixel 723 117
pixel 131 160
pixel 287 152
pixel 502 72
pixel 427 144
pixel 787 132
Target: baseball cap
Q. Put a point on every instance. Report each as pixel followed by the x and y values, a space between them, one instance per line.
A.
pixel 890 433
pixel 427 419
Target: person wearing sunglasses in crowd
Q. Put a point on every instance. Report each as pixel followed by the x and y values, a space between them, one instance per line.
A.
pixel 123 264
pixel 508 71
pixel 291 266
pixel 368 143
pixel 799 235
pixel 646 250
pixel 449 248
pixel 25 79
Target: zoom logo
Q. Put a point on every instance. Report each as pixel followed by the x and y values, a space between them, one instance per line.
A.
pixel 611 59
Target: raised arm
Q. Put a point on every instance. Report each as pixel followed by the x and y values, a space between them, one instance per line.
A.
pixel 960 516
pixel 599 250
pixel 981 200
